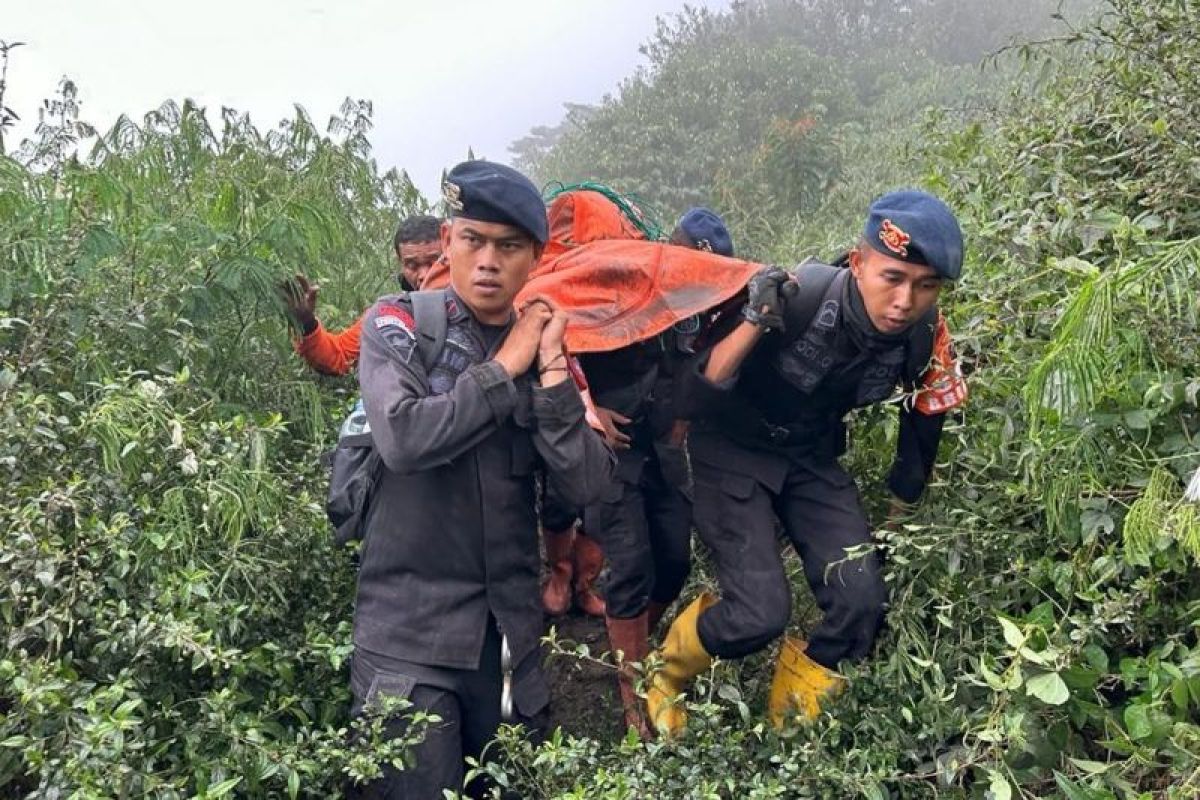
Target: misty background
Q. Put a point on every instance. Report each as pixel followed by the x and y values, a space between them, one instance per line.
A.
pixel 443 77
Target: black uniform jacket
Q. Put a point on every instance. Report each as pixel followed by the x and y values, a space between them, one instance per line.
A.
pixel 452 532
pixel 760 425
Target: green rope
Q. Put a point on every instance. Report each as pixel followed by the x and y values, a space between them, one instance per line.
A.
pixel 634 209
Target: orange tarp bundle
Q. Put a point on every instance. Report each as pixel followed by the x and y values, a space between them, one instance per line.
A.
pixel 617 287
pixel 621 292
pixel 576 218
pixel 581 217
pixel 438 276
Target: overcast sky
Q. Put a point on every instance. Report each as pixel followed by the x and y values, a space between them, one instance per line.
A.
pixel 444 75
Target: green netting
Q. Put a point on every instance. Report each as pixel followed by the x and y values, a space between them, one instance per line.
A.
pixel 634 208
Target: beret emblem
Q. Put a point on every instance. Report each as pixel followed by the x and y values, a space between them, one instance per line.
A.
pixel 894 238
pixel 452 194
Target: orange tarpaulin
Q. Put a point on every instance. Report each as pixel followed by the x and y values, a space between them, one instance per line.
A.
pixel 621 292
pixel 617 287
pixel 575 218
pixel 581 217
pixel 438 276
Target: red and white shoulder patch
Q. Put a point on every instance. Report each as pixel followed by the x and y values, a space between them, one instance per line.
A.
pixel 397 327
pixel 943 387
pixel 390 316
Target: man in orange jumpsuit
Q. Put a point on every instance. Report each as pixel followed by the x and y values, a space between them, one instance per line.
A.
pixel 417 247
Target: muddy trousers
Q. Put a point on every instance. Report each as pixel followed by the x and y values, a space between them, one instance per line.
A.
pixel 645 531
pixel 821 516
pixel 468 703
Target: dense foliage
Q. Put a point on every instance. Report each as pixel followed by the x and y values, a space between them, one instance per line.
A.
pixel 1046 596
pixel 761 111
pixel 175 621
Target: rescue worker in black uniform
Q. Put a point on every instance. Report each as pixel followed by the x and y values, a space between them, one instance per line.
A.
pixel 767 404
pixel 644 524
pixel 447 612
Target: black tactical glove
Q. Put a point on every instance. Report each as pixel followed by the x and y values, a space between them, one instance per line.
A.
pixel 766 291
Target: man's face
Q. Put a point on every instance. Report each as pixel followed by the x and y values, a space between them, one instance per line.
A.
pixel 896 293
pixel 681 239
pixel 489 262
pixel 416 258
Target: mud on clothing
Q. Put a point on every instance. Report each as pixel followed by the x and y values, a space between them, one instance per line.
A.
pixel 451 550
pixel 764 445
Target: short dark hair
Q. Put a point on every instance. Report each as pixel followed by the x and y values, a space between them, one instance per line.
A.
pixel 417 228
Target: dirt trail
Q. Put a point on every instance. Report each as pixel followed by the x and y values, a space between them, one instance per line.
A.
pixel 583 694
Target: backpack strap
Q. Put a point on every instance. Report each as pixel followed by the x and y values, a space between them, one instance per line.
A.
pixel 813 279
pixel 429 314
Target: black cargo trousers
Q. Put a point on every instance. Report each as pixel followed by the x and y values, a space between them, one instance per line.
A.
pixel 819 507
pixel 467 704
pixel 644 527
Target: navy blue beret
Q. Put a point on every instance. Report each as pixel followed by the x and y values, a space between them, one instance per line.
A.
pixel 489 192
pixel 707 230
pixel 916 227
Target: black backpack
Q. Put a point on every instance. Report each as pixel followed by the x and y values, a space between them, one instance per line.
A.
pixel 356 465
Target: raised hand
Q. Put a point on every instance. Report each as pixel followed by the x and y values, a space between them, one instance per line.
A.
pixel 300 299
pixel 764 304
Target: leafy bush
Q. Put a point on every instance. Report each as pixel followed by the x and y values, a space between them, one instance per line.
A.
pixel 1045 598
pixel 176 624
pixel 176 621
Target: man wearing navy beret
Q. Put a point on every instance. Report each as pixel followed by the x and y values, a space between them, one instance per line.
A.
pixel 767 408
pixel 703 229
pixel 644 524
pixel 447 614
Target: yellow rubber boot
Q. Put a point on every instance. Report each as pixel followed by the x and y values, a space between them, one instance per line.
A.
pixel 800 684
pixel 683 658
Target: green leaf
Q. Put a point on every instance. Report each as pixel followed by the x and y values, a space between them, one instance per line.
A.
pixel 1093 767
pixel 729 693
pixel 1137 722
pixel 998 789
pixel 1012 634
pixel 873 791
pixel 1096 656
pixel 221 789
pixel 1076 265
pixel 1049 688
pixel 1180 694
pixel 1138 419
pixel 992 679
pixel 1074 791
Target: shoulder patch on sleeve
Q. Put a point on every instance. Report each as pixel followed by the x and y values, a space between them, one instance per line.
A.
pixel 398 328
pixel 943 387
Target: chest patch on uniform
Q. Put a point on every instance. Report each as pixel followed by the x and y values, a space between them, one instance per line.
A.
pixel 828 316
pixel 460 351
pixel 398 329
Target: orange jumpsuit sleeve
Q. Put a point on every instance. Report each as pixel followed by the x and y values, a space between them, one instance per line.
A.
pixel 331 353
